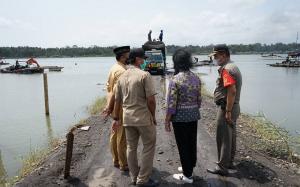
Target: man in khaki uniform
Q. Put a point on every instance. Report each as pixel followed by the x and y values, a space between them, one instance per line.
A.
pixel 227 97
pixel 117 138
pixel 136 92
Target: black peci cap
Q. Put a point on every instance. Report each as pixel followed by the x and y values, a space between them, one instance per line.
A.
pixel 121 50
pixel 219 48
pixel 137 52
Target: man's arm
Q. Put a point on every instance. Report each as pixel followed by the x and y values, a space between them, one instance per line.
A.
pixel 151 103
pixel 231 93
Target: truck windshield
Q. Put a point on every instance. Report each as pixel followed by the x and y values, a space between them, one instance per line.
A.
pixel 154 57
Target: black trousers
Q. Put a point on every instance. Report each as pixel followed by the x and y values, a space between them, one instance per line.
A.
pixel 186 139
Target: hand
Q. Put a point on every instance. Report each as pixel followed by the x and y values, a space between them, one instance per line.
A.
pixel 105 114
pixel 168 126
pixel 115 126
pixel 228 117
pixel 154 121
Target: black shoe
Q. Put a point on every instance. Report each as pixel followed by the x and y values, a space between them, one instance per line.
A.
pixel 132 184
pixel 231 166
pixel 150 183
pixel 218 171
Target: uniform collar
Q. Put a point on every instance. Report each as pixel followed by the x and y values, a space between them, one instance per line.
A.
pixel 130 66
pixel 223 66
pixel 121 64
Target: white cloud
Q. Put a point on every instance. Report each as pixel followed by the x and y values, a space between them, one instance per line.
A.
pixel 193 22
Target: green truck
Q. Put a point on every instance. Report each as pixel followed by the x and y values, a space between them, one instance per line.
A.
pixel 155 64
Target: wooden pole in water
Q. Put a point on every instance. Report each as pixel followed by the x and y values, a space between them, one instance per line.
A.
pixel 46 93
pixel 69 151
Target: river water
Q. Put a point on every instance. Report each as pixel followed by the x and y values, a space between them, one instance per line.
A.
pixel 24 126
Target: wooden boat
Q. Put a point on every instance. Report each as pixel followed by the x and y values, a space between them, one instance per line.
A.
pixel 292 61
pixel 272 56
pixel 3 63
pixel 289 65
pixel 22 70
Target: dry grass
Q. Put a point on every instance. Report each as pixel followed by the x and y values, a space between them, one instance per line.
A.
pixel 97 106
pixel 33 160
pixel 269 138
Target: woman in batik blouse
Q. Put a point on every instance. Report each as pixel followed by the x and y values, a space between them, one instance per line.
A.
pixel 183 104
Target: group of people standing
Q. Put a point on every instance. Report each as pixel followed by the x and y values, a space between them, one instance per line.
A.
pixel 131 103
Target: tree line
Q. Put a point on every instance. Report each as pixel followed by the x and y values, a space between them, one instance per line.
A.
pixel 93 51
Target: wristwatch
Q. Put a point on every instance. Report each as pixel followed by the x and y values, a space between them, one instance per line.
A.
pixel 116 119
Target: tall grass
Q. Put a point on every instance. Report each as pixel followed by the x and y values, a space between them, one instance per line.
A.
pixel 32 160
pixel 97 106
pixel 271 138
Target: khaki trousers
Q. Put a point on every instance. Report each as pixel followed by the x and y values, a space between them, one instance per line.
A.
pixel 148 136
pixel 118 147
pixel 226 136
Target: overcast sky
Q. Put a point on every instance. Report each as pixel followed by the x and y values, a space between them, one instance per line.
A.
pixel 58 23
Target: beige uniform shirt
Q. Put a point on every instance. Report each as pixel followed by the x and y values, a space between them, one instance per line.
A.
pixel 133 89
pixel 115 72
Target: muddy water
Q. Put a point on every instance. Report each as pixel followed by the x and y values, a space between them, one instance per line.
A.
pixel 23 125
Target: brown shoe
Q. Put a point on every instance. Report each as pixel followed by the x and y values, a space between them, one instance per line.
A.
pixel 124 168
pixel 116 165
pixel 218 171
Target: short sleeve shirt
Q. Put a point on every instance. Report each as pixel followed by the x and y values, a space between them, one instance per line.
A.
pixel 229 74
pixel 133 89
pixel 115 72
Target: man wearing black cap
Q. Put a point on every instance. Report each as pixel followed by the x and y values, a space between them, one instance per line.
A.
pixel 136 92
pixel 117 138
pixel 227 97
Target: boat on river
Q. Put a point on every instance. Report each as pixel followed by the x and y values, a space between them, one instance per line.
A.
pixel 28 69
pixel 22 70
pixel 272 56
pixel 2 62
pixel 291 61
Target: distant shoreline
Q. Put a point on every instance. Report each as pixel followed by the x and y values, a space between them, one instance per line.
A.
pixel 96 51
pixel 196 54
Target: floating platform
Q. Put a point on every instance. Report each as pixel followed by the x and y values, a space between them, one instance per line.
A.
pixel 52 68
pixel 285 65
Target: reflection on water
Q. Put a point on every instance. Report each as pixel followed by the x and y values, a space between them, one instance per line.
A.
pixel 49 130
pixel 3 174
pixel 23 124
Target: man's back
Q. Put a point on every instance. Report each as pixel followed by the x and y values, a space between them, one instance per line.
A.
pixel 133 88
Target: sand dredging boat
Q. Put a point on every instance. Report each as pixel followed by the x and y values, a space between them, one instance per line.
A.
pixel 28 68
pixel 291 61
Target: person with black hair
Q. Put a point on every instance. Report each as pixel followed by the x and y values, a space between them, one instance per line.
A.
pixel 183 104
pixel 135 90
pixel 227 98
pixel 117 138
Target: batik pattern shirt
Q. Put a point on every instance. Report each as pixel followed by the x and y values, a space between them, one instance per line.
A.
pixel 184 97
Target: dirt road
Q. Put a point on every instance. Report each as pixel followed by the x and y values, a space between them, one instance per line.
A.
pixel 92 162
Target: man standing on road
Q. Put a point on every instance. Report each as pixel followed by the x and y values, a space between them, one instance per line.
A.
pixel 136 92
pixel 227 97
pixel 117 138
